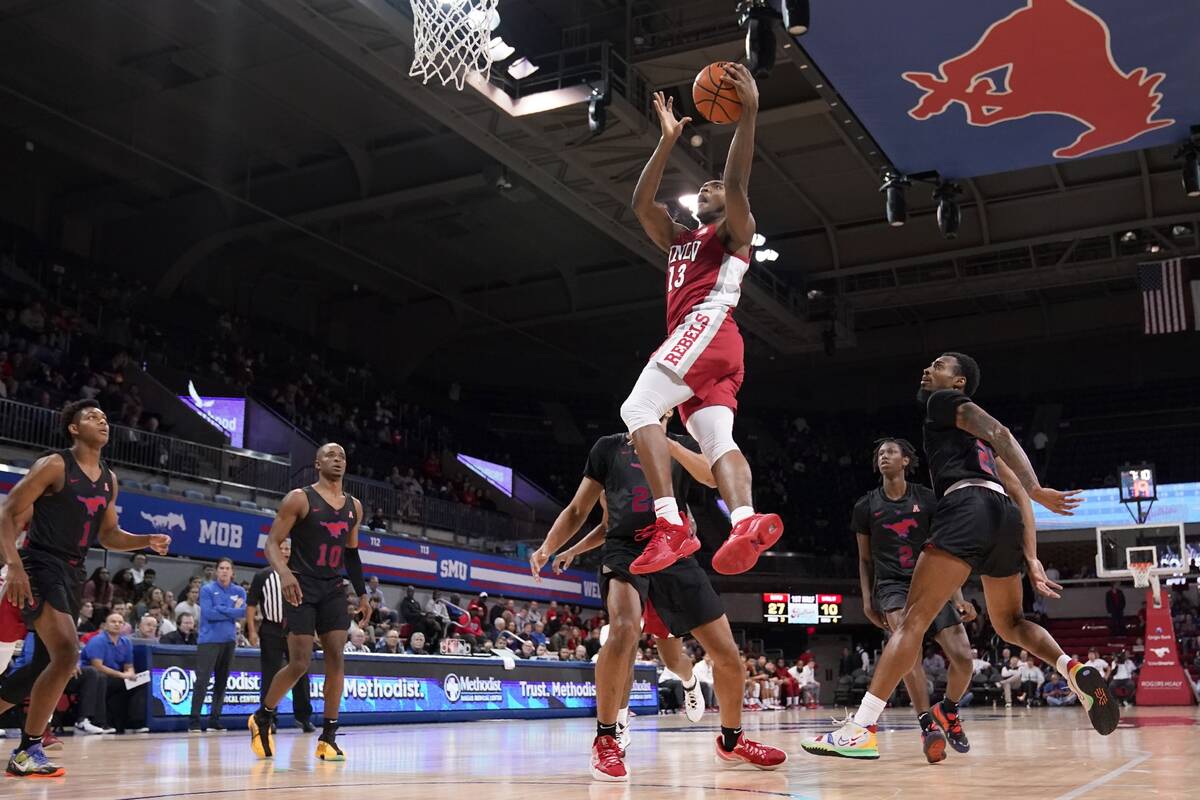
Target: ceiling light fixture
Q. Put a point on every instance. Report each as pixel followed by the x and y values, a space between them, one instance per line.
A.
pixel 522 68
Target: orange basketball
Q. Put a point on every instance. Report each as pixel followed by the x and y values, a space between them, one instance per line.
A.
pixel 715 97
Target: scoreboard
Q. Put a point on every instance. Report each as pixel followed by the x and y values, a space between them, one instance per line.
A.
pixel 802 609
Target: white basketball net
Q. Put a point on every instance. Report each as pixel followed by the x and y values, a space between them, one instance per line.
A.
pixel 1141 574
pixel 451 39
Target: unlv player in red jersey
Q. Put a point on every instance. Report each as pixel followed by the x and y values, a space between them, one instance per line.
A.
pixel 699 367
pixel 322 521
pixel 72 496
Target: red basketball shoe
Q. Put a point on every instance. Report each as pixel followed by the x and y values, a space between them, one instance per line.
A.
pixel 756 754
pixel 608 762
pixel 668 543
pixel 749 539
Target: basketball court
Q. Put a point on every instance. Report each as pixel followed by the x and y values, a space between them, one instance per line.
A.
pixel 1027 753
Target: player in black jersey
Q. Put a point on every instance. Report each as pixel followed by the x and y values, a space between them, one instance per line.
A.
pixel 983 523
pixel 72 497
pixel 682 595
pixel 322 521
pixel 891 524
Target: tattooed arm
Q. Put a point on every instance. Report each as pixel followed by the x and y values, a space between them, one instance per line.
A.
pixel 977 422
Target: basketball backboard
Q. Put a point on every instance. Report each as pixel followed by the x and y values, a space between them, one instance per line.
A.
pixel 1163 545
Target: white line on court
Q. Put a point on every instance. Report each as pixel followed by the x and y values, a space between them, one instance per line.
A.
pixel 1103 779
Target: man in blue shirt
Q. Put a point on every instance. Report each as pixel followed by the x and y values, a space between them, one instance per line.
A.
pixel 107 662
pixel 222 604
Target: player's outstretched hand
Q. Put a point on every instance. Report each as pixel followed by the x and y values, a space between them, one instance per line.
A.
pixel 290 587
pixel 1061 503
pixel 160 543
pixel 966 610
pixel 562 561
pixel 665 108
pixel 364 608
pixel 537 560
pixel 1038 580
pixel 16 588
pixel 743 83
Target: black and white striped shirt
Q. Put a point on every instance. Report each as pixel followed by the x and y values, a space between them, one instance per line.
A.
pixel 267 594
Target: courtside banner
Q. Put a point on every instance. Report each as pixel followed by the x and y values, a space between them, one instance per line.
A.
pixel 210 531
pixel 388 688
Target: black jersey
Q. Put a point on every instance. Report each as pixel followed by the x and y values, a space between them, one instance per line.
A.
pixel 66 523
pixel 615 466
pixel 953 454
pixel 898 528
pixel 319 538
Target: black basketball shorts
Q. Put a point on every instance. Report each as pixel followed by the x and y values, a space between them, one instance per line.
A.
pixel 54 582
pixel 323 607
pixel 682 594
pixel 892 595
pixel 983 528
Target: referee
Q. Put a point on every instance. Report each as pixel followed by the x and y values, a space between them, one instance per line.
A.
pixel 266 594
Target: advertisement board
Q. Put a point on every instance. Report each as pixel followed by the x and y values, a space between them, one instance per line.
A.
pixel 387 688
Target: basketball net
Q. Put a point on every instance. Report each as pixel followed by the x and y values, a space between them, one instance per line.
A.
pixel 1143 578
pixel 451 39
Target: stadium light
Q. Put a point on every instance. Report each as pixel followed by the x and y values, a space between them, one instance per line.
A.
pixel 766 254
pixel 499 49
pixel 949 215
pixel 597 110
pixel 894 186
pixel 796 17
pixel 758 18
pixel 1191 171
pixel 521 68
pixel 688 201
pixel 758 240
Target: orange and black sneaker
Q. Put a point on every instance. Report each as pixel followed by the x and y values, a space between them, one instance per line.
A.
pixel 262 742
pixel 667 544
pixel 1089 685
pixel 950 722
pixel 933 744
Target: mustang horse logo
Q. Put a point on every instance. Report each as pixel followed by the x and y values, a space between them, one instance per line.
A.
pixel 1056 58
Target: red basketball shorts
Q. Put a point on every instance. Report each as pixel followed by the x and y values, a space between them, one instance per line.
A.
pixel 652 623
pixel 706 352
pixel 12 627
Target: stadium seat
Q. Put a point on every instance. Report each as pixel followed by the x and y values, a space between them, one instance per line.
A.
pixel 247 504
pixel 194 494
pixel 23 463
pixel 131 483
pixel 223 499
pixel 160 488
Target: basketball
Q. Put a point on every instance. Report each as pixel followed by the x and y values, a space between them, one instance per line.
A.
pixel 715 97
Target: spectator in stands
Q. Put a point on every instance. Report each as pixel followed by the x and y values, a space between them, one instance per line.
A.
pixel 847 664
pixel 1123 673
pixel 810 687
pixel 103 695
pixel 190 604
pixel 146 585
pixel 1056 692
pixel 154 597
pixel 978 664
pixel 1138 651
pixel 506 638
pixel 552 618
pixel 495 613
pixel 527 650
pixel 125 612
pixel 83 623
pixel 565 654
pixel 478 606
pixel 1010 678
pixel 437 614
pixel 99 591
pixel 390 643
pixel 1094 660
pixel 375 591
pixel 581 653
pixel 934 664
pixel 357 643
pixel 222 605
pixel 533 612
pixel 416 644
pixel 864 659
pixel 184 633
pixel 147 629
pixel 1114 604
pixel 702 670
pixel 124 588
pixel 538 634
pixel 137 567
pixel 410 611
pixel 1032 679
pixel 592 643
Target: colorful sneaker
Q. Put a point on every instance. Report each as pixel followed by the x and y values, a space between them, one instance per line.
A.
pixel 849 741
pixel 33 763
pixel 952 725
pixel 934 745
pixel 607 762
pixel 50 741
pixel 693 701
pixel 1102 708
pixel 756 754
pixel 663 550
pixel 261 740
pixel 328 750
pixel 749 539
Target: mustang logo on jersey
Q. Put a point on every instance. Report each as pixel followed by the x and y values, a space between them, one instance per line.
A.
pixel 688 339
pixel 902 527
pixel 336 529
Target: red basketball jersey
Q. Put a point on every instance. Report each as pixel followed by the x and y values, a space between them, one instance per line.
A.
pixel 701 274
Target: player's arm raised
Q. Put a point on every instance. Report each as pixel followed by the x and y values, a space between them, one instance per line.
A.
pixel 293 507
pixel 739 222
pixel 112 537
pixel 977 422
pixel 46 473
pixel 1037 573
pixel 655 218
pixel 354 567
pixel 567 524
pixel 695 463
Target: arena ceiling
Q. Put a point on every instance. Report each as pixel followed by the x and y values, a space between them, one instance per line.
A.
pixel 275 154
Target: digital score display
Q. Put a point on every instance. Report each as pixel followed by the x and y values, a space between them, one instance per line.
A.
pixel 802 609
pixel 1137 483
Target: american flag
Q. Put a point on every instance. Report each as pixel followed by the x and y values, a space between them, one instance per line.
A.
pixel 1170 298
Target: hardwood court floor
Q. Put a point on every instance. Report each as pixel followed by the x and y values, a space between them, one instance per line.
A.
pixel 1027 754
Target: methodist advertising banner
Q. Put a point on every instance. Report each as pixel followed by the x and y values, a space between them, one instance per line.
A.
pixel 210 531
pixel 386 688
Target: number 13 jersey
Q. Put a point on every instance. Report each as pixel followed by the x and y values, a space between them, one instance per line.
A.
pixel 702 274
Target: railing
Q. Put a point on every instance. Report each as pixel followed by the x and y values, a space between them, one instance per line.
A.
pixel 153 452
